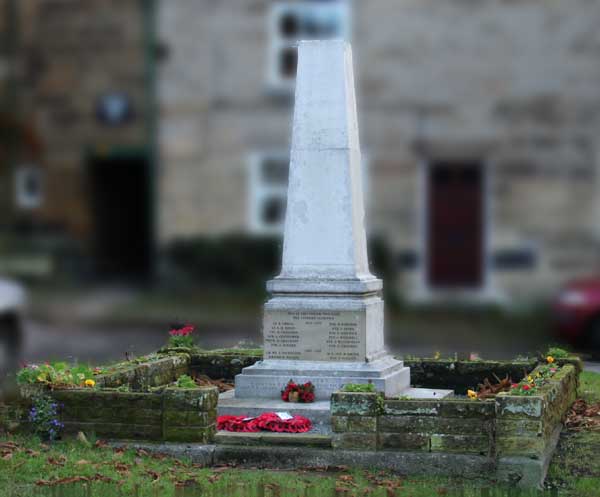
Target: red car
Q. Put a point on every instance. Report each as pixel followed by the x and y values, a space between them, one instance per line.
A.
pixel 577 310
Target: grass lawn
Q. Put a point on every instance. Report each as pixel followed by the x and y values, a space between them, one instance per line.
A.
pixel 69 468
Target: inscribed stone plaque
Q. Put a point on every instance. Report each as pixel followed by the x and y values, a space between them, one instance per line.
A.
pixel 315 335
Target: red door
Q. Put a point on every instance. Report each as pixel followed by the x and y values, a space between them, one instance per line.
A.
pixel 455 225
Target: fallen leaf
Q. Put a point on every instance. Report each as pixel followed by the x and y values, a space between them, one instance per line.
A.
pixel 82 462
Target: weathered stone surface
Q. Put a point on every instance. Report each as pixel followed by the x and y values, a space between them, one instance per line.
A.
pixel 203 399
pixel 404 441
pixel 199 434
pixel 354 441
pixel 431 424
pixel 355 404
pixel 508 406
pixel 518 427
pixel 222 365
pixel 463 444
pixel 445 408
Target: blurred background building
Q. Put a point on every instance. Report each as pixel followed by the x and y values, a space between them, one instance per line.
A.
pixel 145 139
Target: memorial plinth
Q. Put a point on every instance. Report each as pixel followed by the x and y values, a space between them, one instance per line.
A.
pixel 324 322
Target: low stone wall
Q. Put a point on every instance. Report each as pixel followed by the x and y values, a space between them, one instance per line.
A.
pixel 173 414
pixel 225 364
pixel 516 433
pixel 142 376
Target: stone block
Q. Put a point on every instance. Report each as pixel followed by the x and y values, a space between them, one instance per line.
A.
pixel 339 424
pixel 411 408
pixel 522 446
pixel 198 434
pixel 518 427
pixel 202 399
pixel 404 441
pixel 512 406
pixel 362 424
pixel 354 404
pixel 432 424
pixel 464 444
pixel 354 441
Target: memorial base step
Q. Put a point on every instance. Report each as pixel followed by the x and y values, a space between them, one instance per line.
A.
pixel 275 439
pixel 318 412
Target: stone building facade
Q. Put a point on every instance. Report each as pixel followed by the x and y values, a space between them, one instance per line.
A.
pixel 82 91
pixel 479 125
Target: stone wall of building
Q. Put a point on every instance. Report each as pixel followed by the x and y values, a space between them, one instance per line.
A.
pixel 70 54
pixel 511 84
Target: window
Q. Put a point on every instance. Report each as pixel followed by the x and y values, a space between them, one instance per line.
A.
pixel 28 187
pixel 267 190
pixel 268 180
pixel 291 22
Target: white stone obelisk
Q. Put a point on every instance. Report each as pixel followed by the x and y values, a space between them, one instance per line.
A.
pixel 324 322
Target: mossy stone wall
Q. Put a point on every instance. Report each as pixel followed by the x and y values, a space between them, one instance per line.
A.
pixel 143 376
pixel 171 415
pixel 223 364
pixel 517 434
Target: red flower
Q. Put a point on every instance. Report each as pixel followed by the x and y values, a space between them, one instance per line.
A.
pixel 308 397
pixel 514 385
pixel 182 332
pixel 526 387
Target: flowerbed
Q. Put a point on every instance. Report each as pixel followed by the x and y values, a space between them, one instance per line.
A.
pixel 512 435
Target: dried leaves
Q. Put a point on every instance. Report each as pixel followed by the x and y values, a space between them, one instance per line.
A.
pixel 488 390
pixel 222 384
pixel 583 416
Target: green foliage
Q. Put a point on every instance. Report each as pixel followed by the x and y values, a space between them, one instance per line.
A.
pixel 558 353
pixel 58 374
pixel 184 342
pixel 43 417
pixel 185 381
pixel 359 387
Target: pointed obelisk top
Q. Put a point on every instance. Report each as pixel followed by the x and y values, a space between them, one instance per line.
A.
pixel 324 241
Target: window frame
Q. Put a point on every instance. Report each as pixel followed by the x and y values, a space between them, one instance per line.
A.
pixel 259 191
pixel 276 82
pixel 22 197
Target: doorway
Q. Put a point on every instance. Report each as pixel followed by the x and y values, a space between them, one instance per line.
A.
pixel 455 225
pixel 121 208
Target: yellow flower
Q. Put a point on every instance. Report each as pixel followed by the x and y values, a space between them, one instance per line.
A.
pixel 472 394
pixel 41 378
pixel 550 359
pixel 530 379
pixel 437 355
pixel 90 383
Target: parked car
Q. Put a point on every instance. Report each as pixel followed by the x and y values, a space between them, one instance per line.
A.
pixel 12 304
pixel 577 313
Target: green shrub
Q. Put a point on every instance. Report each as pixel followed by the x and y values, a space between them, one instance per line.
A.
pixel 558 353
pixel 243 263
pixel 58 374
pixel 359 387
pixel 185 381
